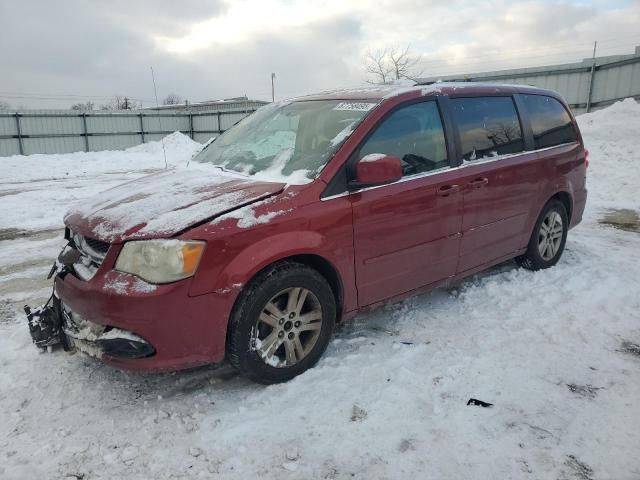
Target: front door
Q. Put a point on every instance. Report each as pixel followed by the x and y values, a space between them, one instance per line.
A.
pixel 407 234
pixel 498 178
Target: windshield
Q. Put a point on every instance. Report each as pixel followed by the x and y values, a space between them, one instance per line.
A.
pixel 286 142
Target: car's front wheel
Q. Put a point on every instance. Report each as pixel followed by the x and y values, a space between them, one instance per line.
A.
pixel 282 323
pixel 548 238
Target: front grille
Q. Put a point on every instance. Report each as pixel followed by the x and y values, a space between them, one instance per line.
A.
pixel 97 245
pixel 92 252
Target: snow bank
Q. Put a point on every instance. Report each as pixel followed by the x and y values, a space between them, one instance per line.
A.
pixel 612 136
pixel 176 146
pixel 20 168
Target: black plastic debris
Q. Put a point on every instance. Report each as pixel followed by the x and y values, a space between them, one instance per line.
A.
pixel 69 257
pixel 586 391
pixel 479 403
pixel 45 324
pixel 630 347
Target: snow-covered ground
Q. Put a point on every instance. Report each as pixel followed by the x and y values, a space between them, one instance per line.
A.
pixel 37 190
pixel 554 351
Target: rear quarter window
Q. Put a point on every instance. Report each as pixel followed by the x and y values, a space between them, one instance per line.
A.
pixel 488 126
pixel 550 122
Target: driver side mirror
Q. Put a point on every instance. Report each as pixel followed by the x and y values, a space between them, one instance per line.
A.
pixel 376 169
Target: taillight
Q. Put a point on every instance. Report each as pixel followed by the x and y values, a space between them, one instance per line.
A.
pixel 586 158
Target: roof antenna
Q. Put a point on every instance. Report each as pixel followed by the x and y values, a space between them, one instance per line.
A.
pixel 155 91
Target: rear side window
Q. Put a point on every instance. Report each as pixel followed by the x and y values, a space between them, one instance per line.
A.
pixel 488 126
pixel 414 134
pixel 550 121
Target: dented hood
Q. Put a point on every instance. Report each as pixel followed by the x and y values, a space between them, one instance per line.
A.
pixel 164 204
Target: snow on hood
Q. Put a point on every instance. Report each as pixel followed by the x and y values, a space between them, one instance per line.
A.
pixel 163 204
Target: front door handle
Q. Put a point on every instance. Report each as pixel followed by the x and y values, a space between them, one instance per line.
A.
pixel 478 182
pixel 446 190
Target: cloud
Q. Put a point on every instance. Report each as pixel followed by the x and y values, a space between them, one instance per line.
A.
pixel 214 49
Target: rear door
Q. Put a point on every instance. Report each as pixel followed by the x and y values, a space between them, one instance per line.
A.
pixel 498 177
pixel 560 154
pixel 406 234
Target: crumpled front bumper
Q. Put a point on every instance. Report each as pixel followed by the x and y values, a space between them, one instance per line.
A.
pixel 183 331
pixel 98 340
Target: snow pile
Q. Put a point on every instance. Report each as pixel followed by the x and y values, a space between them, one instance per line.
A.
pixel 179 149
pixel 612 136
pixel 175 146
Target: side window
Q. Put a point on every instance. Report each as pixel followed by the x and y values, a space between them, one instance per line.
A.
pixel 488 126
pixel 550 121
pixel 415 135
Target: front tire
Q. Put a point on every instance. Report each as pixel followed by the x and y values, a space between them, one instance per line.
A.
pixel 282 323
pixel 548 238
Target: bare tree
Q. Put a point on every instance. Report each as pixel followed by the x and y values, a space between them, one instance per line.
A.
pixel 503 133
pixel 4 105
pixel 377 65
pixel 83 107
pixel 404 64
pixel 173 99
pixel 391 63
pixel 121 103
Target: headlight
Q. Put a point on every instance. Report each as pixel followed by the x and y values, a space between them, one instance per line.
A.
pixel 160 261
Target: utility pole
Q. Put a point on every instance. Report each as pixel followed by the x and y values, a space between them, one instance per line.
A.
pixel 593 71
pixel 273 88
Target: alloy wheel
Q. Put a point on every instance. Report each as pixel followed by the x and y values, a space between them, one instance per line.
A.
pixel 288 327
pixel 550 235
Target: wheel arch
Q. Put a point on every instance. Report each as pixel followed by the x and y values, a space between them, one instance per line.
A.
pixel 562 194
pixel 566 199
pixel 327 270
pixel 313 260
pixel 320 264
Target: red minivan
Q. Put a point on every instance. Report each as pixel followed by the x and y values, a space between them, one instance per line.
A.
pixel 310 211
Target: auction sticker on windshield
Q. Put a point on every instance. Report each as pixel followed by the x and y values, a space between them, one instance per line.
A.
pixel 358 106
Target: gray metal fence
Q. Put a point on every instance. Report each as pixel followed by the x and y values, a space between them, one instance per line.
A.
pixel 590 84
pixel 66 131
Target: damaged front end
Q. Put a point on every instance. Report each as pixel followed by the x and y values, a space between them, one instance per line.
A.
pixel 46 325
pixel 47 321
pixel 55 324
pixel 97 340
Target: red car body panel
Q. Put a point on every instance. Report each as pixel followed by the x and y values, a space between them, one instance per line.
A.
pixel 497 202
pixel 375 245
pixel 180 331
pixel 406 236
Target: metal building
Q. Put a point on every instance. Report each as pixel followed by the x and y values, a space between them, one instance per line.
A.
pixel 236 103
pixel 586 85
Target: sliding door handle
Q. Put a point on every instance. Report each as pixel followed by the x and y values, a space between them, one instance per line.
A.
pixel 478 182
pixel 446 190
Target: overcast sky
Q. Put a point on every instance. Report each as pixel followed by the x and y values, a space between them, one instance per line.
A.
pixel 55 53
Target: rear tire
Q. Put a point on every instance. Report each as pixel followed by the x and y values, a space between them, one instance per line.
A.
pixel 282 323
pixel 548 238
